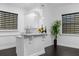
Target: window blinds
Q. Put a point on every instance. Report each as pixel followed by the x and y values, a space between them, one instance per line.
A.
pixel 8 20
pixel 70 23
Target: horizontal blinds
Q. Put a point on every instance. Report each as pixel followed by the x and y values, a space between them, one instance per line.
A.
pixel 8 20
pixel 70 23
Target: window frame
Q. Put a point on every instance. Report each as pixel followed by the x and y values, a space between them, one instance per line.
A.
pixel 70 23
pixel 9 30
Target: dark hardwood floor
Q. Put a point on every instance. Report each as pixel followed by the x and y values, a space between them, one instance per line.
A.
pixel 61 51
pixel 50 51
pixel 8 52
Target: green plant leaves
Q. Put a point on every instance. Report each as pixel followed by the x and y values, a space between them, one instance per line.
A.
pixel 55 29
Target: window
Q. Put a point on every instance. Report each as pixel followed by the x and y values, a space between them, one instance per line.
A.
pixel 70 23
pixel 8 21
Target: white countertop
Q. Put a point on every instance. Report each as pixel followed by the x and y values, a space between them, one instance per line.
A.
pixel 31 34
pixel 34 34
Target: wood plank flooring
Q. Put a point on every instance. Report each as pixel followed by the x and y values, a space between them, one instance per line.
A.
pixel 61 51
pixel 8 52
pixel 50 51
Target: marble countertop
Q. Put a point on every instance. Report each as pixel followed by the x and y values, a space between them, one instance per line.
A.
pixel 31 34
pixel 35 34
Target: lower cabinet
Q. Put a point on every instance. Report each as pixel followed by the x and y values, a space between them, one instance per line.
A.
pixel 30 46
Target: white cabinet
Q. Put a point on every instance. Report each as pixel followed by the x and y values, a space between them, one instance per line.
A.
pixel 30 44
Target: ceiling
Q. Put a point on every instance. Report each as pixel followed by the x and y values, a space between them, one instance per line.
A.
pixel 29 6
pixel 22 5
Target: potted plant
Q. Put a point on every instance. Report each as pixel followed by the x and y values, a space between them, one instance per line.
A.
pixel 55 30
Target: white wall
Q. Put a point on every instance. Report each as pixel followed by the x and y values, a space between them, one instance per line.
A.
pixel 8 39
pixel 68 40
pixel 47 14
pixel 49 17
pixel 51 12
pixel 54 12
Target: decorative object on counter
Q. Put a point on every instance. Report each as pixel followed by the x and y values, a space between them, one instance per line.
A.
pixel 30 30
pixel 27 29
pixel 42 29
pixel 55 30
pixel 45 30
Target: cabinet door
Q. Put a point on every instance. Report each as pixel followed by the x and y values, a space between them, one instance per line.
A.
pixel 33 46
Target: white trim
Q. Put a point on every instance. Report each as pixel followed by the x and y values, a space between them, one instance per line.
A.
pixel 7 45
pixel 7 30
pixel 70 35
pixel 48 44
pixel 68 46
pixel 38 53
pixel 9 34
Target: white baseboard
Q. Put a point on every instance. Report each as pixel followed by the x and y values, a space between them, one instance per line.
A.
pixel 38 53
pixel 48 45
pixel 7 45
pixel 68 46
